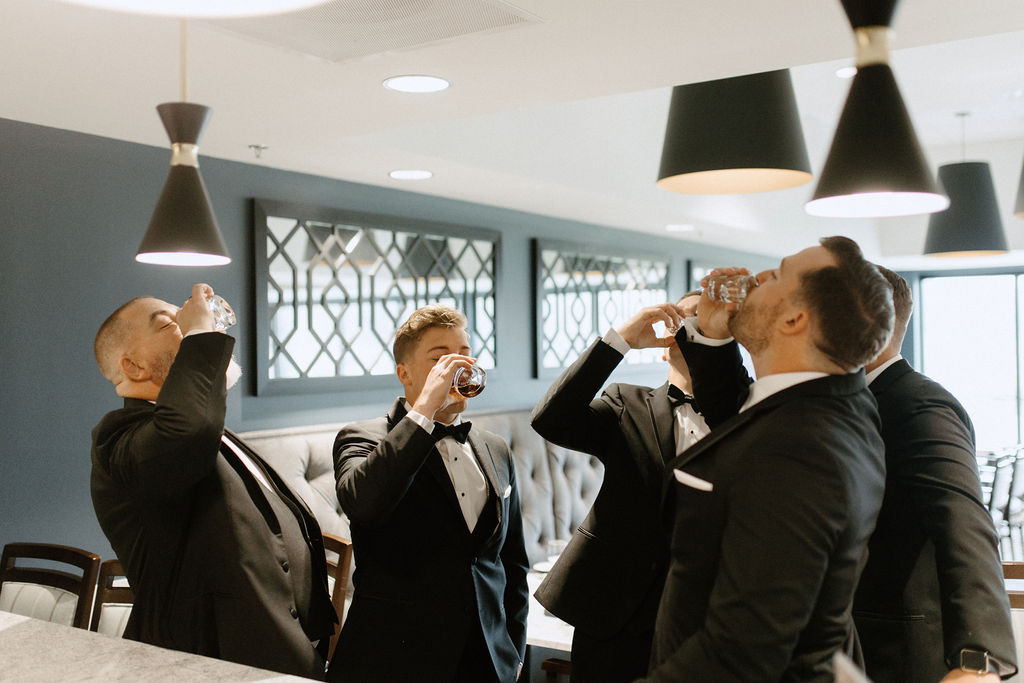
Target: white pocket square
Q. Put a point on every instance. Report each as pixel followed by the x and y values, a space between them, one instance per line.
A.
pixel 693 482
pixel 507 492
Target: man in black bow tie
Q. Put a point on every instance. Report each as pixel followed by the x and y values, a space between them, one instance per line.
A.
pixel 620 551
pixel 440 581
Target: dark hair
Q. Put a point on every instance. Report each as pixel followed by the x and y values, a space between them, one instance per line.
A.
pixel 852 304
pixel 421 320
pixel 902 300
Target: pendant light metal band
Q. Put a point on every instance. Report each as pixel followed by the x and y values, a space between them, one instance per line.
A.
pixel 184 154
pixel 874 43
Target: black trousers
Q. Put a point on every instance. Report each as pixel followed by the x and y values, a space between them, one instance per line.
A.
pixel 476 665
pixel 622 657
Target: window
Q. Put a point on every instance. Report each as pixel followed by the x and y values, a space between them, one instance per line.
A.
pixel 581 293
pixel 334 286
pixel 970 343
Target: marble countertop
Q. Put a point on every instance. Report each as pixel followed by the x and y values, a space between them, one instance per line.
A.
pixel 545 630
pixel 36 650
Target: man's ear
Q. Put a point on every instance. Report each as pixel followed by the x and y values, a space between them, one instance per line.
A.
pixel 132 370
pixel 794 322
pixel 402 373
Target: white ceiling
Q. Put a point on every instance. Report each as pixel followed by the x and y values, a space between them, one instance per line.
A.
pixel 562 116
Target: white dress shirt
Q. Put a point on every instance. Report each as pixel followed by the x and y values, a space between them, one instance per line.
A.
pixel 464 471
pixel 873 375
pixel 689 426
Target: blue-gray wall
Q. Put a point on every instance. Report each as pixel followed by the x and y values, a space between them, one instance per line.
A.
pixel 73 208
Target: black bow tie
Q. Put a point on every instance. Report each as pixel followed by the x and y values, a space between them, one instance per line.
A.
pixel 678 397
pixel 459 432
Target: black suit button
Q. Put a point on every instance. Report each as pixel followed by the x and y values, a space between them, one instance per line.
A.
pixel 294 612
pixel 284 565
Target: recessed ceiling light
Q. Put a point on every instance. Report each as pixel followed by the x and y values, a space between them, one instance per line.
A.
pixel 417 84
pixel 411 174
pixel 680 227
pixel 846 72
pixel 200 8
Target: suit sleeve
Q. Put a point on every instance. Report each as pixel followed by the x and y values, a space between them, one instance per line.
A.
pixel 939 470
pixel 517 564
pixel 167 455
pixel 569 415
pixel 719 379
pixel 758 609
pixel 374 468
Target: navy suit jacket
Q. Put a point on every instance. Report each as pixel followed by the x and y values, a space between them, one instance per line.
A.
pixel 421 577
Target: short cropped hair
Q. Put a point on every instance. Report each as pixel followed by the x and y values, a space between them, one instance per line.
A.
pixel 110 341
pixel 421 320
pixel 902 300
pixel 852 304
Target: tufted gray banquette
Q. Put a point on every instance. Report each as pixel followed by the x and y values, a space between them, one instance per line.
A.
pixel 556 486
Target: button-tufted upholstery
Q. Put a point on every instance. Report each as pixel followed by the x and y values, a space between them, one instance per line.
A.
pixel 556 486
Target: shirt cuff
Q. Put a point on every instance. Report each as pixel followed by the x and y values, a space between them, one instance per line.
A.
pixel 422 420
pixel 693 334
pixel 613 339
pixel 192 332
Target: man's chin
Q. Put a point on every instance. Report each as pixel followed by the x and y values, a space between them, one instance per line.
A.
pixel 233 373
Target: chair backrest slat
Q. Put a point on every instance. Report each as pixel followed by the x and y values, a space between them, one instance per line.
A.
pixel 83 586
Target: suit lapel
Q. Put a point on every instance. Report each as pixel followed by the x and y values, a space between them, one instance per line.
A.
pixel 433 464
pixel 663 423
pixel 486 459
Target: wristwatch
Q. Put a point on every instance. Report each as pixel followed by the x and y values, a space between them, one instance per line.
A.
pixel 977 661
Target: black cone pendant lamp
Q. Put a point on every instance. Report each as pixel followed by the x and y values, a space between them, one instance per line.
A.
pixel 183 230
pixel 971 226
pixel 875 166
pixel 734 135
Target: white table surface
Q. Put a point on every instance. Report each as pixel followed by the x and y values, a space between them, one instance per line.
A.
pixel 544 630
pixel 35 650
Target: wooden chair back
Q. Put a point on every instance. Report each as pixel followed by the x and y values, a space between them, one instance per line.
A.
pixel 339 570
pixel 84 586
pixel 1014 570
pixel 108 593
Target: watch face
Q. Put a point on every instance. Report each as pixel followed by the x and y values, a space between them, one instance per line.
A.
pixel 973 660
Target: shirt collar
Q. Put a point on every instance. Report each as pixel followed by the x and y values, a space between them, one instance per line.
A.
pixel 873 375
pixel 773 384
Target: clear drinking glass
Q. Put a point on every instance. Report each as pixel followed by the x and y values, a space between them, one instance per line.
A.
pixel 223 316
pixel 730 288
pixel 469 382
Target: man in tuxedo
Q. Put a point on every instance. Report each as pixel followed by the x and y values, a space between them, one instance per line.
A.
pixel 620 550
pixel 440 579
pixel 224 560
pixel 931 602
pixel 770 513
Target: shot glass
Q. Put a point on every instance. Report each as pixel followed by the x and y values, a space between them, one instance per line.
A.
pixel 730 288
pixel 468 382
pixel 223 316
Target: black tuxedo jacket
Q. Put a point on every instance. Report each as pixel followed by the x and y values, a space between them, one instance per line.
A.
pixel 620 550
pixel 770 516
pixel 421 577
pixel 200 543
pixel 933 582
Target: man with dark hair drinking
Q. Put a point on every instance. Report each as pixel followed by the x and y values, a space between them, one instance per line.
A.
pixel 770 514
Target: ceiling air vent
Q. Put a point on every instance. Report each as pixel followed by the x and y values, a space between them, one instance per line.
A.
pixel 342 30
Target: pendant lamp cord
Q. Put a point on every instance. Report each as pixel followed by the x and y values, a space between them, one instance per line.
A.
pixel 184 60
